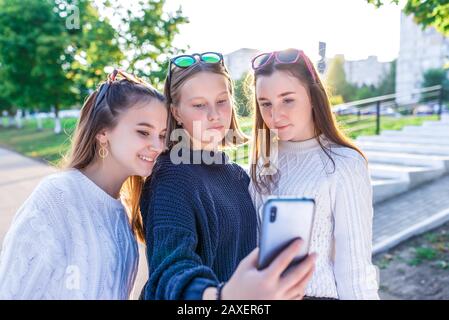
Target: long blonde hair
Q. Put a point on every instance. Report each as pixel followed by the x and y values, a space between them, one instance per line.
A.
pixel 323 119
pixel 120 96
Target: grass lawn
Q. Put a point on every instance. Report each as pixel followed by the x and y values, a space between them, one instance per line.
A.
pixel 50 147
pixel 366 126
pixel 44 144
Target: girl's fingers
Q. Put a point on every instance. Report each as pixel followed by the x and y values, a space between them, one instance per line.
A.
pixel 299 288
pixel 284 259
pixel 250 261
pixel 299 297
pixel 300 274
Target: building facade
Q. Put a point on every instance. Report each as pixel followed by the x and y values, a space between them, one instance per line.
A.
pixel 420 50
pixel 369 71
pixel 239 61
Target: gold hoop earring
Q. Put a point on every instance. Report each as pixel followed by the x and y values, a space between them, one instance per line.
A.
pixel 103 152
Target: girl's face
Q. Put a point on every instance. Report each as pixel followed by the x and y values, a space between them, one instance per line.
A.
pixel 138 138
pixel 205 109
pixel 285 105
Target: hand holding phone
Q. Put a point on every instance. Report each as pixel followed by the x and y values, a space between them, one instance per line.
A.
pixel 284 220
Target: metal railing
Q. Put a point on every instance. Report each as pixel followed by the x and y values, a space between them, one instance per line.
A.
pixel 430 103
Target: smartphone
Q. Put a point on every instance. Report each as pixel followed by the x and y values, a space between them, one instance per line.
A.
pixel 285 219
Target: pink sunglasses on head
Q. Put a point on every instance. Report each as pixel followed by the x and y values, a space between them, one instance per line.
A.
pixel 283 57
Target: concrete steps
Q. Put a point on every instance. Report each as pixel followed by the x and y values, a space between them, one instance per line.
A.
pixel 386 188
pixel 416 134
pixel 408 159
pixel 411 174
pixel 426 149
pixel 417 139
pixel 402 160
pixel 430 130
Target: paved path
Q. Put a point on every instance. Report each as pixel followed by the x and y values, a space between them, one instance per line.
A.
pixel 18 177
pixel 394 220
pixel 411 213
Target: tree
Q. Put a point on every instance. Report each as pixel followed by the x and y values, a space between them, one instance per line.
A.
pixel 428 13
pixel 5 105
pixel 342 90
pixel 336 79
pixel 48 64
pixel 388 83
pixel 31 54
pixel 433 77
pixel 19 47
pixel 94 45
pixel 365 92
pixel 242 95
pixel 146 34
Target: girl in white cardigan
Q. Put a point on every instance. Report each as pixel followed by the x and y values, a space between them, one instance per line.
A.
pixel 299 151
pixel 72 238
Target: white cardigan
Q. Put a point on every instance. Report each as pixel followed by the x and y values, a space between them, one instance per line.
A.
pixel 69 240
pixel 342 229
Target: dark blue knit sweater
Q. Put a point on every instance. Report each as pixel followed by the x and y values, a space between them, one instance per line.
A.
pixel 199 223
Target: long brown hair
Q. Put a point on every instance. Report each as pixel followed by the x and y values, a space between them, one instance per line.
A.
pixel 172 91
pixel 120 96
pixel 323 119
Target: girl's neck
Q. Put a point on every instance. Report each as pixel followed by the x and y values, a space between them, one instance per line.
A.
pixel 307 134
pixel 106 175
pixel 304 138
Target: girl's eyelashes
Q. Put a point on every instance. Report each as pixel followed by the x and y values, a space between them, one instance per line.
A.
pixel 143 133
pixel 146 134
pixel 222 101
pixel 198 105
pixel 265 104
pixel 268 104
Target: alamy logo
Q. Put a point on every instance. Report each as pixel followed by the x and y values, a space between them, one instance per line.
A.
pixel 72 20
pixel 209 141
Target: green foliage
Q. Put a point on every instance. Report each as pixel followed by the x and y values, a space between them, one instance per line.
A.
pixel 94 45
pixel 336 79
pixel 364 92
pixel 46 62
pixel 339 86
pixel 423 254
pixel 5 104
pixel 147 34
pixel 242 95
pixel 433 77
pixel 336 100
pixel 32 46
pixel 433 13
pixel 388 83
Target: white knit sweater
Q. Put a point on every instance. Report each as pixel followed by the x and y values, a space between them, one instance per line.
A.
pixel 342 229
pixel 69 240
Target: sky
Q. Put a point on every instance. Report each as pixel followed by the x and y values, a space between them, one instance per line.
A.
pixel 350 27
